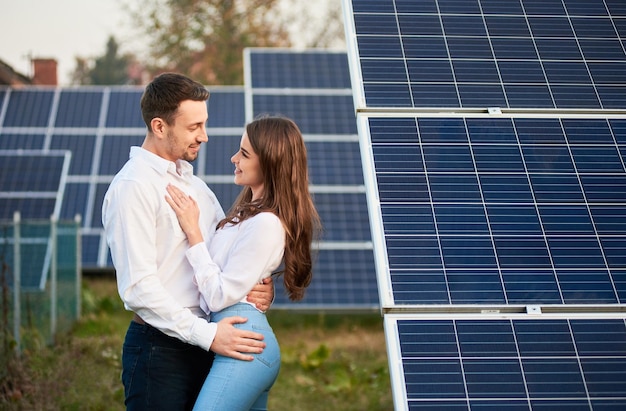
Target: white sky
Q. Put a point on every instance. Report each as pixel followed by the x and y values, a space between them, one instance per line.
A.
pixel 64 29
pixel 60 29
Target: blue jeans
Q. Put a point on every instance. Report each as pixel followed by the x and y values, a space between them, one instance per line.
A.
pixel 161 372
pixel 242 385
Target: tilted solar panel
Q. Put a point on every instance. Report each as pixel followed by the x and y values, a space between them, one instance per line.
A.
pixel 504 210
pixel 32 183
pixel 492 137
pixel 475 54
pixel 306 69
pixel 558 363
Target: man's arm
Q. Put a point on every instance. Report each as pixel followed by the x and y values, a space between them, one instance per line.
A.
pixel 233 342
pixel 262 295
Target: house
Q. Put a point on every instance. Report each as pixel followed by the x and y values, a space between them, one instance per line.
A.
pixel 45 74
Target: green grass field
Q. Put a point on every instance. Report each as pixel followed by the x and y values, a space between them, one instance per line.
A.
pixel 330 361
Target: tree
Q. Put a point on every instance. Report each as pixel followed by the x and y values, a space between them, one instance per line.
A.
pixel 80 75
pixel 108 69
pixel 205 38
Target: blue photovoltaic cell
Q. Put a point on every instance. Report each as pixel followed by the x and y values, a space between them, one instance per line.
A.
pixel 82 147
pixel 500 211
pixel 226 193
pixel 341 279
pixel 314 114
pixel 29 208
pixel 538 364
pixel 344 216
pixel 334 162
pixel 30 183
pixel 487 54
pixel 96 219
pixel 28 108
pixel 21 141
pixel 31 172
pixel 78 108
pixel 123 109
pixel 218 152
pixel 74 201
pixel 91 250
pixel 313 69
pixel 226 107
pixel 115 152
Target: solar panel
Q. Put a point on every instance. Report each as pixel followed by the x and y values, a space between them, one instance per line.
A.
pixel 492 138
pixel 100 124
pixel 476 54
pixel 286 68
pixel 558 363
pixel 480 209
pixel 28 108
pixel 32 182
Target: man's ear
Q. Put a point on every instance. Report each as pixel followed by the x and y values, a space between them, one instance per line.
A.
pixel 158 126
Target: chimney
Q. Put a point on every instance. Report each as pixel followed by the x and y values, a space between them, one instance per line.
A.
pixel 45 72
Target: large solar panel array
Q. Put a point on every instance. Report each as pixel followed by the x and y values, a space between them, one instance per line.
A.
pixel 493 142
pixel 99 124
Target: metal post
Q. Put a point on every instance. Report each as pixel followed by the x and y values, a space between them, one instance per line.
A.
pixel 79 259
pixel 17 280
pixel 53 278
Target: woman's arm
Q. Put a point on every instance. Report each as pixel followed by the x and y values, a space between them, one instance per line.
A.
pixel 255 251
pixel 188 213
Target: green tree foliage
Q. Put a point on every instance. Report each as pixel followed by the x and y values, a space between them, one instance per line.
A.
pixel 109 69
pixel 205 38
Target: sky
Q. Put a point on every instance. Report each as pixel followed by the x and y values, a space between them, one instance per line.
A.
pixel 64 29
pixel 60 29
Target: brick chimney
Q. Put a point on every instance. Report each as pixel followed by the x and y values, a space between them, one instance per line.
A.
pixel 45 72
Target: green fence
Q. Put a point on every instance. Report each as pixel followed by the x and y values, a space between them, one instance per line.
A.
pixel 40 279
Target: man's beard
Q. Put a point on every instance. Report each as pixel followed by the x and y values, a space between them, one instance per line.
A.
pixel 185 155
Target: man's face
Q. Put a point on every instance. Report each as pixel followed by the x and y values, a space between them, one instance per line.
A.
pixel 188 131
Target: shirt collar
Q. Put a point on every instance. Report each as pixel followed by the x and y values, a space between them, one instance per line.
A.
pixel 161 165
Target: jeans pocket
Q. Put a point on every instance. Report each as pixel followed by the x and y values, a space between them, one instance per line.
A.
pixel 271 354
pixel 130 359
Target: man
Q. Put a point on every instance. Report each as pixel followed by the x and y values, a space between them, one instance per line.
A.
pixel 166 353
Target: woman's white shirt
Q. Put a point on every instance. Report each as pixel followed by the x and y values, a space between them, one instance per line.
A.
pixel 237 257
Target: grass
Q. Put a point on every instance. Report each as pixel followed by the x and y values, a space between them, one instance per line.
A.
pixel 329 361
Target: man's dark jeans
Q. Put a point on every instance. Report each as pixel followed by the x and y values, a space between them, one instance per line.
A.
pixel 161 372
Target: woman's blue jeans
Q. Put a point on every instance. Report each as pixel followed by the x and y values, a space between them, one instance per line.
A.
pixel 242 385
pixel 161 372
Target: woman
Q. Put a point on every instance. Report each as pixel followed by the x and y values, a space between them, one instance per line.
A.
pixel 272 221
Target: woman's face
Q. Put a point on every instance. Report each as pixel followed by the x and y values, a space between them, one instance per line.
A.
pixel 248 168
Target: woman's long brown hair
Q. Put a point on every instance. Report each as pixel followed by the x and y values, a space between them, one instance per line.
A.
pixel 283 158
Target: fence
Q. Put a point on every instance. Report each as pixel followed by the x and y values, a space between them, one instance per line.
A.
pixel 41 278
